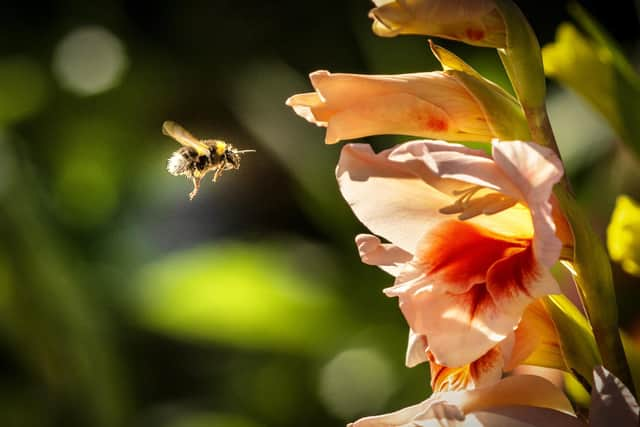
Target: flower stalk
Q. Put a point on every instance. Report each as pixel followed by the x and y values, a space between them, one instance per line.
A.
pixel 592 274
pixel 590 263
pixel 481 303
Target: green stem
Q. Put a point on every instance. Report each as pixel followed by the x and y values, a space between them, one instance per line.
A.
pixel 590 261
pixel 595 288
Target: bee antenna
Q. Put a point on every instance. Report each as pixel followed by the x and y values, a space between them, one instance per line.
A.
pixel 245 151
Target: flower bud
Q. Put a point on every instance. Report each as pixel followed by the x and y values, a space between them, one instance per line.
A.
pixel 477 22
pixel 456 104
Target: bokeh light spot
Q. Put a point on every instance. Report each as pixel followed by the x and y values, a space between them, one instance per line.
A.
pixel 356 382
pixel 89 60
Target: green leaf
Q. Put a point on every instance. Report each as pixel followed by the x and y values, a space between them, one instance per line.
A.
pixel 592 273
pixel 576 391
pixel 504 114
pixel 521 57
pixel 258 296
pixel 602 38
pixel 633 357
pixel 577 343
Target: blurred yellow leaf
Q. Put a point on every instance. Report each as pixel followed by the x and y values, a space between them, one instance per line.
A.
pixel 252 296
pixel 594 67
pixel 623 235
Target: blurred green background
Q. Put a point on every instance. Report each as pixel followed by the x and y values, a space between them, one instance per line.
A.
pixel 124 304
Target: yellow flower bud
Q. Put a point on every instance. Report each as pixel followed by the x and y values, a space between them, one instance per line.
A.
pixel 623 235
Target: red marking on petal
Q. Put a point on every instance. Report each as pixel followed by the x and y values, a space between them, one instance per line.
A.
pixel 457 255
pixel 510 276
pixel 474 34
pixel 476 300
pixel 437 125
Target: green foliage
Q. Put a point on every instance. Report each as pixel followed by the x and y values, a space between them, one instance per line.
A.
pixel 595 284
pixel 504 113
pixel 521 57
pixel 577 343
pixel 252 296
pixel 594 66
pixel 23 89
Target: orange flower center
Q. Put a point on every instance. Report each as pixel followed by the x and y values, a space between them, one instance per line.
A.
pixel 477 265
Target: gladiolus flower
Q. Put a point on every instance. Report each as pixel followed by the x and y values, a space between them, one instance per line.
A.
pixel 477 22
pixel 478 233
pixel 623 235
pixel 523 400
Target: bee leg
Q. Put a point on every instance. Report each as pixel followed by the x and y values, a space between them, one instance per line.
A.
pixel 196 186
pixel 218 173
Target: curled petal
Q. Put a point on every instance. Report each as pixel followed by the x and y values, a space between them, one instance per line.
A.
pixel 534 170
pixel 526 390
pixel 515 281
pixel 416 349
pixel 388 257
pixel 523 400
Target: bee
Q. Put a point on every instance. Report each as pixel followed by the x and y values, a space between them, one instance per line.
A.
pixel 197 157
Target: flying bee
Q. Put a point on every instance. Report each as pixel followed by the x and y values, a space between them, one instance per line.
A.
pixel 197 157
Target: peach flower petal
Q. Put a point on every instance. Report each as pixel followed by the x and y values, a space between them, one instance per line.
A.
pixel 468 292
pixel 403 183
pixel 466 295
pixel 536 340
pixel 434 104
pixel 519 401
pixel 416 349
pixel 386 256
pixel 484 371
pixel 391 201
pixel 534 169
pixel 477 22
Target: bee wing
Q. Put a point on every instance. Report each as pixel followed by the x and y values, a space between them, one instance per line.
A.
pixel 183 136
